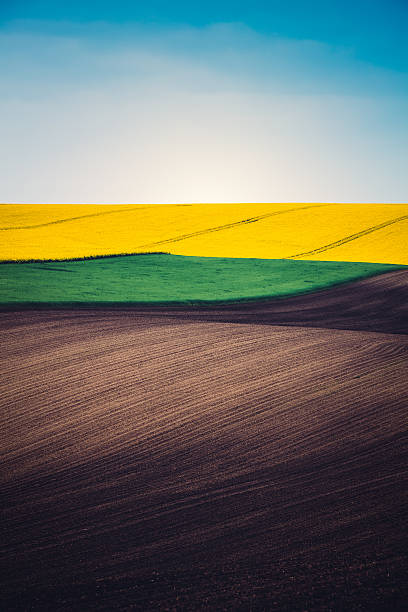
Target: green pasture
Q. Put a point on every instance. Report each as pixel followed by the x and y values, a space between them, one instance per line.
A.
pixel 163 278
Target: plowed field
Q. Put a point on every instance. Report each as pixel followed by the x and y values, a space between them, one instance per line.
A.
pixel 154 460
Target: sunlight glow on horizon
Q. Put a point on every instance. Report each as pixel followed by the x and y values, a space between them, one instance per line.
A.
pixel 125 114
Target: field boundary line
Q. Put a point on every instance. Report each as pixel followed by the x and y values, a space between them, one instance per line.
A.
pixel 337 243
pixel 219 228
pixel 68 219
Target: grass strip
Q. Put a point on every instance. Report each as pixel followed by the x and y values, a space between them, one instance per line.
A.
pixel 171 279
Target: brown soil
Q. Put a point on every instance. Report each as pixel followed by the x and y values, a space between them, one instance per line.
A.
pixel 379 303
pixel 158 461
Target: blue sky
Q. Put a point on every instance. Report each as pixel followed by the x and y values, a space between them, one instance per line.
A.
pixel 374 30
pixel 284 100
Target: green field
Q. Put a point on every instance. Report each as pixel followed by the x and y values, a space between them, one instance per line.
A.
pixel 162 278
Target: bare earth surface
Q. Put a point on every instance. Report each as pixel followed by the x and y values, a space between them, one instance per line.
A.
pixel 240 458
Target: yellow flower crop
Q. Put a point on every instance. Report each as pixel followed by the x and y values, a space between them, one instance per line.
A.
pixel 331 232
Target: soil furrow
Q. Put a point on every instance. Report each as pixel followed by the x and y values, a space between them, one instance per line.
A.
pixel 173 460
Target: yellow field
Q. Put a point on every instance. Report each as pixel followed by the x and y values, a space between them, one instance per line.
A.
pixel 330 232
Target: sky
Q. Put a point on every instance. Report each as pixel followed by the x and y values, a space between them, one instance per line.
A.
pixel 216 101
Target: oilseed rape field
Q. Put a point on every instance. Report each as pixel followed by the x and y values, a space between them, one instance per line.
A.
pixel 325 232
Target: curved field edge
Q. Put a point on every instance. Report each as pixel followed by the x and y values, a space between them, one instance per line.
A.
pixel 162 279
pixel 83 258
